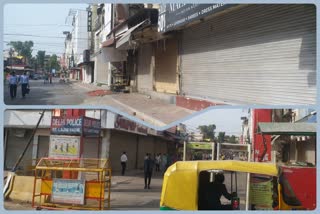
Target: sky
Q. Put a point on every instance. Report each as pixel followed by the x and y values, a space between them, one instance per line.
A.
pixel 47 20
pixel 226 120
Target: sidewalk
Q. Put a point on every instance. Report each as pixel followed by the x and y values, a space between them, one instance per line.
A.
pixel 154 111
pixel 127 193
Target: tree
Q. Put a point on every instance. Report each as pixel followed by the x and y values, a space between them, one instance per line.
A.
pixel 207 131
pixel 221 136
pixel 54 63
pixel 233 139
pixel 40 58
pixel 23 49
pixel 34 63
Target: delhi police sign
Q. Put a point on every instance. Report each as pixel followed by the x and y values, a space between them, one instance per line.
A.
pixel 75 125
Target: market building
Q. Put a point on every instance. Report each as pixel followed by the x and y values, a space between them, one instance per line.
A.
pixel 117 134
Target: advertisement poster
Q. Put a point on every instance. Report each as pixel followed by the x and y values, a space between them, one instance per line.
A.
pixel 62 146
pixel 261 192
pixel 68 191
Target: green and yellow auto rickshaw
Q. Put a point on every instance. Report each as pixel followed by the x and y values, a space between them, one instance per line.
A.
pixel 184 187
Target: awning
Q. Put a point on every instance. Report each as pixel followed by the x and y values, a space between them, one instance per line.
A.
pixel 298 129
pixel 108 42
pixel 125 38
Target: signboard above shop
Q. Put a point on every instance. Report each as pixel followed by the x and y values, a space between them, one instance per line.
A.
pixel 75 125
pixel 122 123
pixel 174 16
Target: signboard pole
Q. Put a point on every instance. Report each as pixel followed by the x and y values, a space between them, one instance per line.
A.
pixel 184 150
pixel 213 150
pixel 248 179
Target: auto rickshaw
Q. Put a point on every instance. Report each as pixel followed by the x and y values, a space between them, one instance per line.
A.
pixel 182 181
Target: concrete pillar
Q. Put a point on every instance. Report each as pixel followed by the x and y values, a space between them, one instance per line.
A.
pixel 35 149
pixel 109 75
pixel 105 144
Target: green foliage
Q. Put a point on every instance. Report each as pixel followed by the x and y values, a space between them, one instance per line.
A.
pixel 221 137
pixel 23 49
pixel 40 58
pixel 208 131
pixel 233 139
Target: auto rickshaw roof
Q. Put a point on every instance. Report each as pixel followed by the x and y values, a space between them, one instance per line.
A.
pixel 180 183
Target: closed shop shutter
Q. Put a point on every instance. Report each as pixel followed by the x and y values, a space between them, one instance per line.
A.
pixel 145 77
pixel 17 141
pixel 90 148
pixel 101 69
pixel 122 142
pixel 258 54
pixel 43 146
pixel 166 54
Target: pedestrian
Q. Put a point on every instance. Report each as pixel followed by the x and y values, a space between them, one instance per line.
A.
pixel 148 168
pixel 13 82
pixel 24 80
pixel 123 160
pixel 46 78
pixel 158 161
pixel 50 78
pixel 163 162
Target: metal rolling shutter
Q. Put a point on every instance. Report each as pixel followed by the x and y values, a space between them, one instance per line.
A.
pixel 145 78
pixel 259 54
pixel 166 67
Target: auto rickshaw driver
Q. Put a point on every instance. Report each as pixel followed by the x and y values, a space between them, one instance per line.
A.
pixel 217 189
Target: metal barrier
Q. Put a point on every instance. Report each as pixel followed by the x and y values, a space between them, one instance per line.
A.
pixel 79 184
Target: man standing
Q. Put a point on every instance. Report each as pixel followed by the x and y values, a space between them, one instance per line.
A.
pixel 123 160
pixel 24 79
pixel 13 81
pixel 148 168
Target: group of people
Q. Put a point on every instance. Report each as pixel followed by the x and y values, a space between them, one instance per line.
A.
pixel 47 78
pixel 160 161
pixel 15 81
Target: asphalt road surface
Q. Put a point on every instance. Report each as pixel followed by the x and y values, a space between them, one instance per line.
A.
pixel 47 94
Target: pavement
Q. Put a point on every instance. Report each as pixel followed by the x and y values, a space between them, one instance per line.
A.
pixel 151 110
pixel 127 193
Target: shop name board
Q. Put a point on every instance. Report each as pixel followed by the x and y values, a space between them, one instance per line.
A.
pixel 68 191
pixel 173 16
pixel 75 126
pixel 91 126
pixel 128 125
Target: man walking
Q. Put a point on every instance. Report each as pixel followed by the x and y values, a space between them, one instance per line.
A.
pixel 24 80
pixel 123 160
pixel 13 82
pixel 148 168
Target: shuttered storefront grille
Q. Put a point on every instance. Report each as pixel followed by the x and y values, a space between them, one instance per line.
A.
pixel 258 54
pixel 145 78
pixel 166 55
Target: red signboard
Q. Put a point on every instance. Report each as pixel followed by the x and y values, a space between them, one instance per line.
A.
pixel 302 181
pixel 261 145
pixel 128 125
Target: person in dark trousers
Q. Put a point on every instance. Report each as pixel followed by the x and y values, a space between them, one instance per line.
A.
pixel 217 189
pixel 24 80
pixel 13 82
pixel 148 168
pixel 123 160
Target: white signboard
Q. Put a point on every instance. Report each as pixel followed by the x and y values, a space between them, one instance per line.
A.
pixel 64 146
pixel 68 191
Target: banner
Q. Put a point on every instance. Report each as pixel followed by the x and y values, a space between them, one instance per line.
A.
pixel 68 191
pixel 261 192
pixel 91 127
pixel 62 146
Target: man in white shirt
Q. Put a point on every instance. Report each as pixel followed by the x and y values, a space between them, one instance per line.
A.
pixel 24 80
pixel 13 82
pixel 123 160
